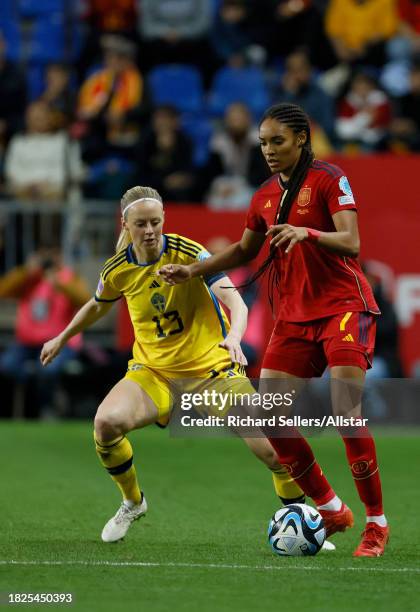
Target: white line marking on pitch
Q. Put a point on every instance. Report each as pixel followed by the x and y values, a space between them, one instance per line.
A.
pixel 415 570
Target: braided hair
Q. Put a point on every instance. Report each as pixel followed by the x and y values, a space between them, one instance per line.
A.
pixel 297 120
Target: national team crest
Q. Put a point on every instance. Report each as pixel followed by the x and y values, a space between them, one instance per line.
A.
pixel 304 196
pixel 158 301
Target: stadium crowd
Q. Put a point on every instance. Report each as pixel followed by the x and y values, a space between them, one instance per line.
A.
pixel 172 90
pixel 98 95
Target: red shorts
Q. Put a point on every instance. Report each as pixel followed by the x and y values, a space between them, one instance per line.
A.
pixel 306 349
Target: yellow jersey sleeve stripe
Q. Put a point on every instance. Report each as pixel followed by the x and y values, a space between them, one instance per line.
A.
pixel 111 268
pixel 181 250
pixel 184 247
pixel 111 262
pixel 190 242
pixel 185 241
pixel 115 256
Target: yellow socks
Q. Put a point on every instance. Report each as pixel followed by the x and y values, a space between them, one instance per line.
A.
pixel 117 457
pixel 286 488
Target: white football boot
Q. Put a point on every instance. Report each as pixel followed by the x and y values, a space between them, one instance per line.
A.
pixel 327 546
pixel 118 525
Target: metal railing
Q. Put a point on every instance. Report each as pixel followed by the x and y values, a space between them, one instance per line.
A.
pixel 84 228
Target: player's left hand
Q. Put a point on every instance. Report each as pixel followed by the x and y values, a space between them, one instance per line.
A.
pixel 286 233
pixel 233 345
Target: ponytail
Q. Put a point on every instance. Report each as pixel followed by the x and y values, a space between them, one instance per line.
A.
pixel 123 241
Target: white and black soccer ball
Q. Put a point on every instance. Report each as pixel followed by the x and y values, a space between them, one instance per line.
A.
pixel 296 530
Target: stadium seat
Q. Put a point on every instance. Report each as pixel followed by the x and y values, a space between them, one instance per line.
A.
pixel 47 40
pixel 216 4
pixel 245 85
pixel 8 11
pixel 11 34
pixel 177 84
pixel 199 129
pixel 35 8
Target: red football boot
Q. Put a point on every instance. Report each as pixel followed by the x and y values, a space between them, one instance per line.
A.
pixel 374 540
pixel 337 520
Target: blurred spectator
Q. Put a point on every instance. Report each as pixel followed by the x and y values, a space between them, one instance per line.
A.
pixel 59 95
pixel 12 98
pixel 359 29
pixel 387 363
pixel 321 145
pixel 236 141
pixel 176 31
pixel 299 86
pixel 41 163
pixel 48 294
pixel 239 26
pixel 402 49
pixel 298 23
pixel 405 128
pixel 110 15
pixel 229 33
pixel 164 158
pixel 253 340
pixel 409 27
pixel 111 102
pixel 364 115
pixel 105 17
pixel 236 165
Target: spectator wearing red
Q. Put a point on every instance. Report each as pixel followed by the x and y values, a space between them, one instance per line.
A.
pixel 111 15
pixel 48 294
pixel 409 12
pixel 364 115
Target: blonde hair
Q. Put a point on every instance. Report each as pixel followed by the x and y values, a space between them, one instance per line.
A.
pixel 133 194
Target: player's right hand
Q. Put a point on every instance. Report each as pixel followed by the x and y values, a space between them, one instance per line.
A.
pixel 174 274
pixel 50 350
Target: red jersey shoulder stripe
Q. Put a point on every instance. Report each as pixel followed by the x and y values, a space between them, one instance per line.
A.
pixel 332 169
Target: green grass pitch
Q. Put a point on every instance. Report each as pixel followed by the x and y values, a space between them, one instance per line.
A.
pixel 202 546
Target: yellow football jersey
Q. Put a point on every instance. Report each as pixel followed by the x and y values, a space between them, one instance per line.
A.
pixel 177 328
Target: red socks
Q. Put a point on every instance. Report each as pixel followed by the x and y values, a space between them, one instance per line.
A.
pixel 361 455
pixel 297 456
pixel 295 453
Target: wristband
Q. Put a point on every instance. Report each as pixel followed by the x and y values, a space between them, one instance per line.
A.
pixel 313 234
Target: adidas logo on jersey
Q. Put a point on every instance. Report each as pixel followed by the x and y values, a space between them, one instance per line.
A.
pixel 154 285
pixel 348 338
pixel 268 204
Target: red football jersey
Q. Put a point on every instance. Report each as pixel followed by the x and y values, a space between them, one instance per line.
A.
pixel 314 282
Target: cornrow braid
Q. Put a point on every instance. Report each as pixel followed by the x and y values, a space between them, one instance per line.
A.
pixel 296 119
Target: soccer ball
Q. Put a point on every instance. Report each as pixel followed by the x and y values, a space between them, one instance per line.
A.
pixel 296 530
